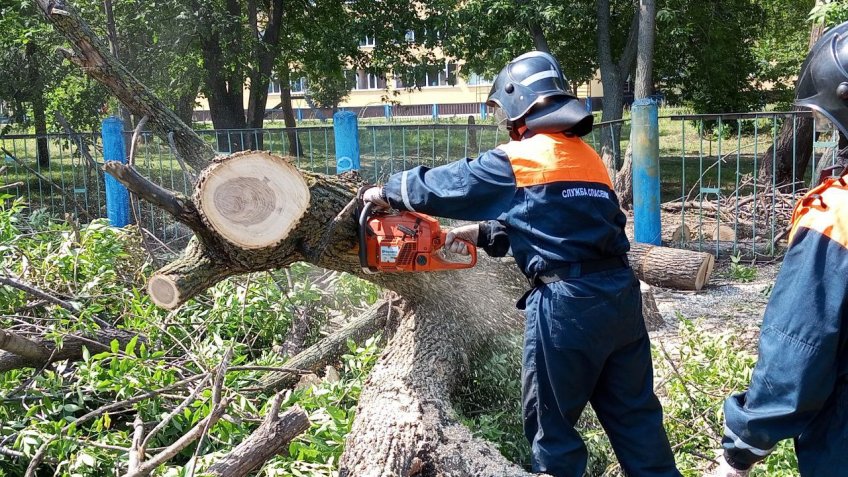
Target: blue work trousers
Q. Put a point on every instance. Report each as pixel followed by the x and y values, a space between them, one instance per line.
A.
pixel 585 342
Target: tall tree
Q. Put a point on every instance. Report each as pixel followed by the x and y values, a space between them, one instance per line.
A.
pixel 27 69
pixel 786 160
pixel 615 70
pixel 486 34
pixel 643 88
pixel 715 77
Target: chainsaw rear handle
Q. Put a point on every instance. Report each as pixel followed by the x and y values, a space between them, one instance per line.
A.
pixel 441 264
pixel 363 240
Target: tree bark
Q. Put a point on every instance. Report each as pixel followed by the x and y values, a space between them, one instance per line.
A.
pixel 90 55
pixel 613 75
pixel 288 111
pixel 644 84
pixel 271 438
pixel 40 119
pixel 670 267
pixel 23 347
pixel 786 164
pixel 42 146
pixel 72 346
pixel 225 95
pixel 266 54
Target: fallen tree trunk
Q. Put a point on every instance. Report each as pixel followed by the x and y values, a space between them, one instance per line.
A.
pixel 670 267
pixel 406 423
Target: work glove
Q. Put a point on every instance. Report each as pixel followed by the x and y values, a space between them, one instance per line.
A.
pixel 726 470
pixel 375 196
pixel 454 241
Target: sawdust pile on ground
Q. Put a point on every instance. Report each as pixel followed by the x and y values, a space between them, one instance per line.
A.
pixel 725 303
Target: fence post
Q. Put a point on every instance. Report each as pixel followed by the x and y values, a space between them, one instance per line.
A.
pixel 114 149
pixel 346 132
pixel 645 138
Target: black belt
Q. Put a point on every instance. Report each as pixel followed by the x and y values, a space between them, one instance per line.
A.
pixel 579 269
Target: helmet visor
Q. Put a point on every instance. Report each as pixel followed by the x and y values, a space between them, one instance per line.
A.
pixel 501 119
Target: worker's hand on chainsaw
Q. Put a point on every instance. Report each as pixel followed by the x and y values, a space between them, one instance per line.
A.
pixel 456 240
pixel 376 197
pixel 726 470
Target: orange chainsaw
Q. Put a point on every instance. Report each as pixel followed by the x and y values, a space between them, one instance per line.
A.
pixel 399 241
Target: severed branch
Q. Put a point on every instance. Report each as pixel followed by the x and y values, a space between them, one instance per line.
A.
pixel 271 438
pixel 6 280
pixel 71 349
pixel 147 467
pixel 23 347
pixel 10 186
pixel 176 204
pixel 328 350
pixel 164 422
pixel 90 54
pixel 136 451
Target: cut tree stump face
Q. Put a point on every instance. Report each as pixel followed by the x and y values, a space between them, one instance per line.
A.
pixel 253 202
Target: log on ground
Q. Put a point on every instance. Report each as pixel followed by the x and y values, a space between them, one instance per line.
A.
pixel 669 267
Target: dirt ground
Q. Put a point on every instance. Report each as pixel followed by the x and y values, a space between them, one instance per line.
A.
pixel 726 302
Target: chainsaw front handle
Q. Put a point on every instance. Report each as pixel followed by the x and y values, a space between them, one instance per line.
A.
pixel 442 264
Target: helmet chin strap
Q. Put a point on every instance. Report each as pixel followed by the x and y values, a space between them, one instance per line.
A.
pixel 516 129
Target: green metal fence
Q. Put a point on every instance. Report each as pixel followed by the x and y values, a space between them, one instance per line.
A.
pixel 711 169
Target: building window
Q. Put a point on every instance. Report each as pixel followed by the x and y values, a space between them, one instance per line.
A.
pixel 274 86
pixel 431 76
pixel 298 85
pixel 369 40
pixel 478 80
pixel 366 79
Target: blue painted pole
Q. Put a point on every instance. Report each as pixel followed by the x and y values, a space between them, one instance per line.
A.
pixel 114 149
pixel 645 137
pixel 346 130
pixel 588 104
pixel 300 114
pixel 483 111
pixel 387 110
pixel 435 112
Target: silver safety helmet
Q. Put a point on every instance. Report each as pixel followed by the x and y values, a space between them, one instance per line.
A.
pixel 532 91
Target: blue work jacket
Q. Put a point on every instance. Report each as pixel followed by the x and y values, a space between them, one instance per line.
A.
pixel 551 192
pixel 797 388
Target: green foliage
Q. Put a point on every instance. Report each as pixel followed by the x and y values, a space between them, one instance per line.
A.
pixel 103 269
pixel 741 272
pixel 780 47
pixel 830 13
pixel 716 76
pixel 490 400
pixel 709 367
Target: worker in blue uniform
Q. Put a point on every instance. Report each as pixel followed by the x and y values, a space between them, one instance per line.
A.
pixel 799 387
pixel 547 198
